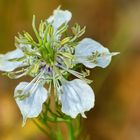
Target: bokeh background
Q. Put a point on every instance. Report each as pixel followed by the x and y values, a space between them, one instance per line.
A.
pixel 115 24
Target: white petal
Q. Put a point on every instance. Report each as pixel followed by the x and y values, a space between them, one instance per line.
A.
pixel 14 54
pixel 9 66
pixel 76 97
pixel 86 48
pixel 6 65
pixel 31 106
pixel 59 17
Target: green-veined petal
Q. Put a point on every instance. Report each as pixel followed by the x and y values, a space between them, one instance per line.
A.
pixel 6 64
pixel 76 97
pixel 92 54
pixel 31 104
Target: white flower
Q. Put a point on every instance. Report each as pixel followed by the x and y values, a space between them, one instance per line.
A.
pixel 50 59
pixel 92 54
pixel 59 17
pixel 6 64
pixel 76 97
pixel 30 99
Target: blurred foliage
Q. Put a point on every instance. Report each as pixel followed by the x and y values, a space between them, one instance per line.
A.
pixel 114 23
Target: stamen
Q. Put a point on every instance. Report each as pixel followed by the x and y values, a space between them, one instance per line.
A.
pixel 13 75
pixel 16 74
pixel 33 84
pixel 75 73
pixel 38 81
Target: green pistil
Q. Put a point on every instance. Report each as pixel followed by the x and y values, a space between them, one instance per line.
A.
pixel 47 53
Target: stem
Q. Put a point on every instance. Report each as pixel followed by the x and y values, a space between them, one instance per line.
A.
pixel 70 130
pixel 40 127
pixel 47 133
pixel 79 126
pixel 59 133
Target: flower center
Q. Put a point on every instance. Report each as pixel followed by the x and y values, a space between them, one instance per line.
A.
pixel 48 53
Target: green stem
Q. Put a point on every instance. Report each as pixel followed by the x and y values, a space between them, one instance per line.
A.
pixel 70 130
pixel 79 126
pixel 40 127
pixel 59 132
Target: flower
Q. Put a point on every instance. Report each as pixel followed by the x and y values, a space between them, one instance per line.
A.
pixel 51 59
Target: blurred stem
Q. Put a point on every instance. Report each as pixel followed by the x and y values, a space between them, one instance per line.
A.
pixel 70 130
pixel 73 131
pixel 41 128
pixel 79 127
pixel 59 133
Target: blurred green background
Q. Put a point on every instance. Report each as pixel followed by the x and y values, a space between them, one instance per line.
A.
pixel 115 24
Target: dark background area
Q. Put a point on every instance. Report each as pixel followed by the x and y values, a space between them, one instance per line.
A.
pixel 115 24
